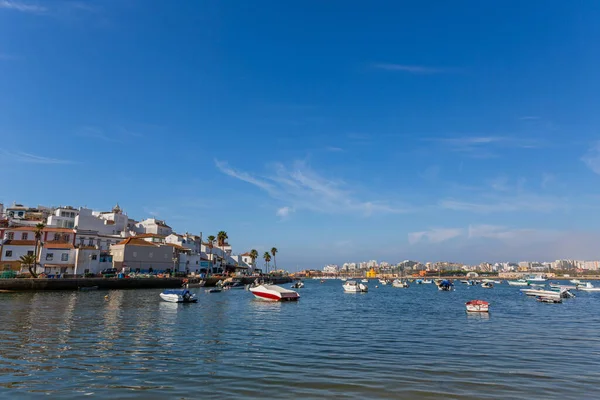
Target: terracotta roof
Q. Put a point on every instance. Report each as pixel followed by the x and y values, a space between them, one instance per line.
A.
pixel 149 235
pixel 133 241
pixel 60 245
pixel 178 247
pixel 19 243
pixel 247 254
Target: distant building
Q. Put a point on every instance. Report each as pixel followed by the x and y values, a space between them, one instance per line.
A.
pixel 153 225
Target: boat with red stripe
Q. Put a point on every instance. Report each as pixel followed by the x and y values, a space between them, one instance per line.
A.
pixel 274 293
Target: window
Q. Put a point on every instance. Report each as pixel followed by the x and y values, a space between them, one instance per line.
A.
pixel 24 236
pixel 98 242
pixel 30 252
pixel 8 253
pixel 150 255
pixel 10 236
pixel 90 242
pixel 20 213
pixel 94 257
pixel 64 257
pixel 135 254
pixel 49 256
pixel 57 237
pixel 81 240
pixel 66 237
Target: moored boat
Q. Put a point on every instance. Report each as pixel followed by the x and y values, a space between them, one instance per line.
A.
pixel 563 293
pixel 297 285
pixel 520 282
pixel 179 296
pixel 445 285
pixel 355 287
pixel 274 293
pixel 427 281
pixel 477 306
pixel 487 285
pixel 545 299
pixel 588 287
pixel 397 283
pixel 364 280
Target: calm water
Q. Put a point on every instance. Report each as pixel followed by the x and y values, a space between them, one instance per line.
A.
pixel 388 343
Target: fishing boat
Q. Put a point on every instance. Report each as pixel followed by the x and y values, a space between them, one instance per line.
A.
pixel 535 278
pixel 445 285
pixel 179 296
pixel 297 285
pixel 563 293
pixel 491 281
pixel 383 281
pixel 487 285
pixel 274 293
pixel 588 287
pixel 520 282
pixel 545 299
pixel 477 306
pixel 355 287
pixel 397 283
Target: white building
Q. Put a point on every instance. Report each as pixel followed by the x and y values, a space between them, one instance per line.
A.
pixel 153 225
pixel 331 269
pixel 63 217
pixel 114 222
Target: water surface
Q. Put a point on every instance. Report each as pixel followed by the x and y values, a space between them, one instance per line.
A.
pixel 386 344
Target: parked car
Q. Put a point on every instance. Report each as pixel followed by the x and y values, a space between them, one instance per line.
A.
pixel 109 271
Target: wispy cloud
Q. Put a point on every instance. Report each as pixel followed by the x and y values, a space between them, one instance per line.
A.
pixel 334 149
pixel 413 69
pixel 22 157
pixel 514 202
pixel 484 146
pixel 508 234
pixel 592 158
pixel 22 6
pixel 306 189
pixel 117 135
pixel 435 235
pixel 284 212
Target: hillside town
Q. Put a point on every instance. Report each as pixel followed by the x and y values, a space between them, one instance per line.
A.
pixel 79 241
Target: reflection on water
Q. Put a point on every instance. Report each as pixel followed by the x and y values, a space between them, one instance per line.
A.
pixel 388 343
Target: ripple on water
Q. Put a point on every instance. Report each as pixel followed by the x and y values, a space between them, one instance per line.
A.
pixel 388 343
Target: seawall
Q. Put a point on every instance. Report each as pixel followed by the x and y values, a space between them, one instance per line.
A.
pixel 76 283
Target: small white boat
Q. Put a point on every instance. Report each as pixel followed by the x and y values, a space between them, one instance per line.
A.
pixel 297 285
pixel 487 285
pixel 520 282
pixel 426 281
pixel 477 306
pixel 179 296
pixel 383 281
pixel 588 287
pixel 274 293
pixel 355 287
pixel 445 285
pixel 535 278
pixel 563 293
pixel 491 281
pixel 575 281
pixel 364 280
pixel 543 299
pixel 397 283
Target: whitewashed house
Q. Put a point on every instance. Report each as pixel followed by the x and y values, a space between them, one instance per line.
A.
pixel 153 225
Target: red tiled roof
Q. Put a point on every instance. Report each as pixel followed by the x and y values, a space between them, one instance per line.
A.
pixel 247 254
pixel 19 243
pixel 58 245
pixel 133 241
pixel 178 247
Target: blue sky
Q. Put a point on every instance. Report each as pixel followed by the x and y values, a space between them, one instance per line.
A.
pixel 335 131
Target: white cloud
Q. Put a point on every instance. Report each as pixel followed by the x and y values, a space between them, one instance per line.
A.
pixel 507 234
pixel 515 202
pixel 334 149
pixel 306 189
pixel 592 158
pixel 435 235
pixel 23 7
pixel 284 212
pixel 19 156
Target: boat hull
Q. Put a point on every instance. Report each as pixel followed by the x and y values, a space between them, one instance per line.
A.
pixel 477 306
pixel 274 293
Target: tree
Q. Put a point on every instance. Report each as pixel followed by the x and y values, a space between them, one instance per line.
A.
pixel 37 234
pixel 253 256
pixel 221 241
pixel 210 244
pixel 267 258
pixel 273 252
pixel 29 261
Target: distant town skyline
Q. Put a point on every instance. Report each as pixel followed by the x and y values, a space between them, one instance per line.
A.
pixel 385 130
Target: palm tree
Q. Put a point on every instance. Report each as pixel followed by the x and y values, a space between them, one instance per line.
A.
pixel 221 240
pixel 211 242
pixel 267 258
pixel 253 256
pixel 29 261
pixel 274 251
pixel 37 233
